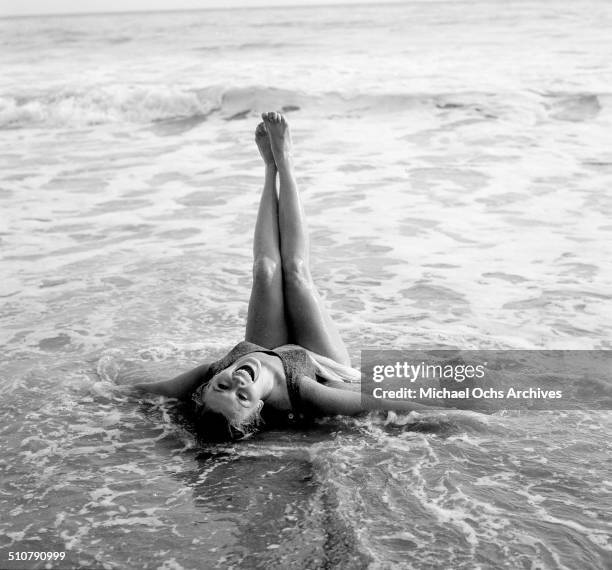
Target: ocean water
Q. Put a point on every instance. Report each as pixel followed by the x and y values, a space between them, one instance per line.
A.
pixel 455 162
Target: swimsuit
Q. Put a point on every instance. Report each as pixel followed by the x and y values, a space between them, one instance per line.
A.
pixel 296 363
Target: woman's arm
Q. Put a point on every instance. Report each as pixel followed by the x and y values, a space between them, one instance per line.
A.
pixel 335 401
pixel 178 387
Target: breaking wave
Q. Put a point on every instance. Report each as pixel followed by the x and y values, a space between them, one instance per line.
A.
pixel 67 107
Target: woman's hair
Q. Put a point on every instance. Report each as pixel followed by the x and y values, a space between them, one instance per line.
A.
pixel 329 369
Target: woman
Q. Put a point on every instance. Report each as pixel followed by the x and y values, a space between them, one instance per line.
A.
pixel 293 360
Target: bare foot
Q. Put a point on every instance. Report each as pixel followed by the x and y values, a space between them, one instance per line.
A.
pixel 280 138
pixel 263 144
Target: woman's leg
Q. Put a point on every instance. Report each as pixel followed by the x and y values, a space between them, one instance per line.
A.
pixel 311 325
pixel 266 324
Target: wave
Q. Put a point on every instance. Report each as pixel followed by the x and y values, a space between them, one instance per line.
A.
pixel 66 107
pixel 99 105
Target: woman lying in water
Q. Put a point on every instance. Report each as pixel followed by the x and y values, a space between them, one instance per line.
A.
pixel 292 365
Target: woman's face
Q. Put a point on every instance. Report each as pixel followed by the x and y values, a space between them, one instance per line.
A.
pixel 236 392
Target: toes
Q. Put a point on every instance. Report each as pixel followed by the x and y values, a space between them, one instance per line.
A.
pixel 270 117
pixel 260 130
pixel 273 117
